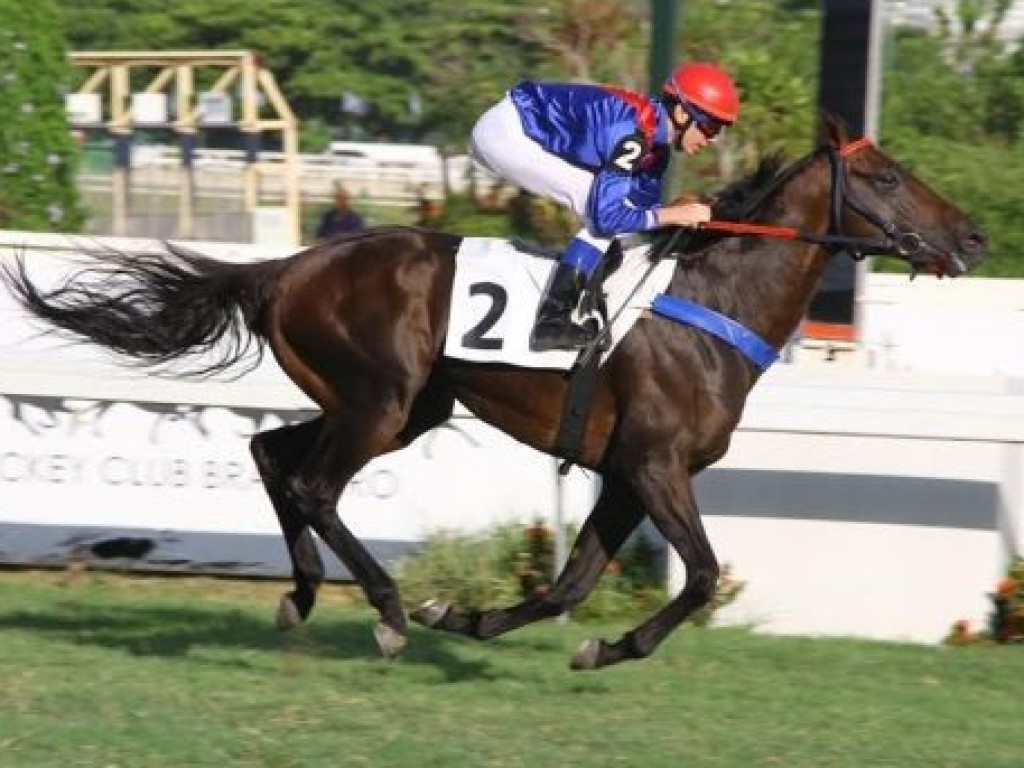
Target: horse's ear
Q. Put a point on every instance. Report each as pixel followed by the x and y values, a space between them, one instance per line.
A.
pixel 833 130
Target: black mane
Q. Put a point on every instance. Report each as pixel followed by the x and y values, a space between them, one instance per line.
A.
pixel 738 200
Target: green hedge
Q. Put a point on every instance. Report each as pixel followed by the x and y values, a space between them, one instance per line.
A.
pixel 507 563
pixel 38 155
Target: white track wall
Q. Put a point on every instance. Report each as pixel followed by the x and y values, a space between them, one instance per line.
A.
pixel 879 496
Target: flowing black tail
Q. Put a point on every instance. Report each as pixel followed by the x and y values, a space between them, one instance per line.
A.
pixel 154 309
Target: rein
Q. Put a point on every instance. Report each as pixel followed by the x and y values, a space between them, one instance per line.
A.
pixel 896 242
pixel 834 242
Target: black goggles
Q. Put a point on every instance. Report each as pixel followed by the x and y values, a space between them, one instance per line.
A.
pixel 707 124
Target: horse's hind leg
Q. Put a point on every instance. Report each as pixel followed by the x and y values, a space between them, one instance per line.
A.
pixel 342 448
pixel 278 453
pixel 305 468
pixel 615 516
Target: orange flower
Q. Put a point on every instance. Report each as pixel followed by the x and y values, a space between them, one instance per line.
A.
pixel 1007 588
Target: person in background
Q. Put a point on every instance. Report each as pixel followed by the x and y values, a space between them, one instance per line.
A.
pixel 341 219
pixel 601 151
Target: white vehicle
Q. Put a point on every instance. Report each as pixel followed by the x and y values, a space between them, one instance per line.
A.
pixel 420 163
pixel 381 155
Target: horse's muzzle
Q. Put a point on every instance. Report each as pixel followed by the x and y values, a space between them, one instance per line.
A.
pixel 972 245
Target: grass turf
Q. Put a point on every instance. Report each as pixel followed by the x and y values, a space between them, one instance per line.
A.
pixel 103 670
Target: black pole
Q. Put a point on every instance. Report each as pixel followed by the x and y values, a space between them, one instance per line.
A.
pixel 664 42
pixel 844 90
pixel 844 57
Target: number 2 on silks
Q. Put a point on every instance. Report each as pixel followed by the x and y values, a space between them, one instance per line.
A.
pixel 475 337
pixel 627 153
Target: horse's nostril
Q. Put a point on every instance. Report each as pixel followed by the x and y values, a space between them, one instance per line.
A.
pixel 975 241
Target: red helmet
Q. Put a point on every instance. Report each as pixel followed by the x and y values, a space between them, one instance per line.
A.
pixel 706 87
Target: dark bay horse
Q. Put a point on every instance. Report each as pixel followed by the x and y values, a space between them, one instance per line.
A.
pixel 359 325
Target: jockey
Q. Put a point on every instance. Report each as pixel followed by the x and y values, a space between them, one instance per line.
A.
pixel 601 151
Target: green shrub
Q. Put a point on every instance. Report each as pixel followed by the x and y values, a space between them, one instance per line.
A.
pixel 468 570
pixel 464 216
pixel 1006 621
pixel 511 562
pixel 38 155
pixel 633 584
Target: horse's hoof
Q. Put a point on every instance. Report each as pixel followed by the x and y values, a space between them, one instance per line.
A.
pixel 587 656
pixel 288 616
pixel 390 642
pixel 431 613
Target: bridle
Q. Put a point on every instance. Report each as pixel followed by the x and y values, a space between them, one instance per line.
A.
pixel 904 244
pixel 907 245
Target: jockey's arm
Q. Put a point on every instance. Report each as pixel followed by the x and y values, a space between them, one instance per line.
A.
pixel 617 206
pixel 621 203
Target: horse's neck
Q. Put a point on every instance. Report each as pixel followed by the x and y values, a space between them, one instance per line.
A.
pixel 767 283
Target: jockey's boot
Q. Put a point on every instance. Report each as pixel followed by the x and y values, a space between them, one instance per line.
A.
pixel 555 328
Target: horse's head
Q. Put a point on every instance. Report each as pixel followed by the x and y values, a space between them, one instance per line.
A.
pixel 874 197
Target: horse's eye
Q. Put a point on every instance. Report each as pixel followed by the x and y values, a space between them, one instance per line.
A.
pixel 888 180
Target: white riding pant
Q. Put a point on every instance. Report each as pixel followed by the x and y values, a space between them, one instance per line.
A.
pixel 499 144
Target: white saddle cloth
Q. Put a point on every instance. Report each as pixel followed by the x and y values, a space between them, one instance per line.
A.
pixel 498 288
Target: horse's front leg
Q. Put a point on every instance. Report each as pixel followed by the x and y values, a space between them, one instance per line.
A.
pixel 615 516
pixel 667 493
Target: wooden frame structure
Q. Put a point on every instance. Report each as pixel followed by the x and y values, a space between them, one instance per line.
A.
pixel 112 72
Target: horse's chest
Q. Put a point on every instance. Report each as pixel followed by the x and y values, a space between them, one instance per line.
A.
pixel 711 440
pixel 715 417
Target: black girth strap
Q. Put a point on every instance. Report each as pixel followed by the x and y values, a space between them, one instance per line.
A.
pixel 579 398
pixel 576 409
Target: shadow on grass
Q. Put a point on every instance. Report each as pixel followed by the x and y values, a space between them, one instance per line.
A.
pixel 176 631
